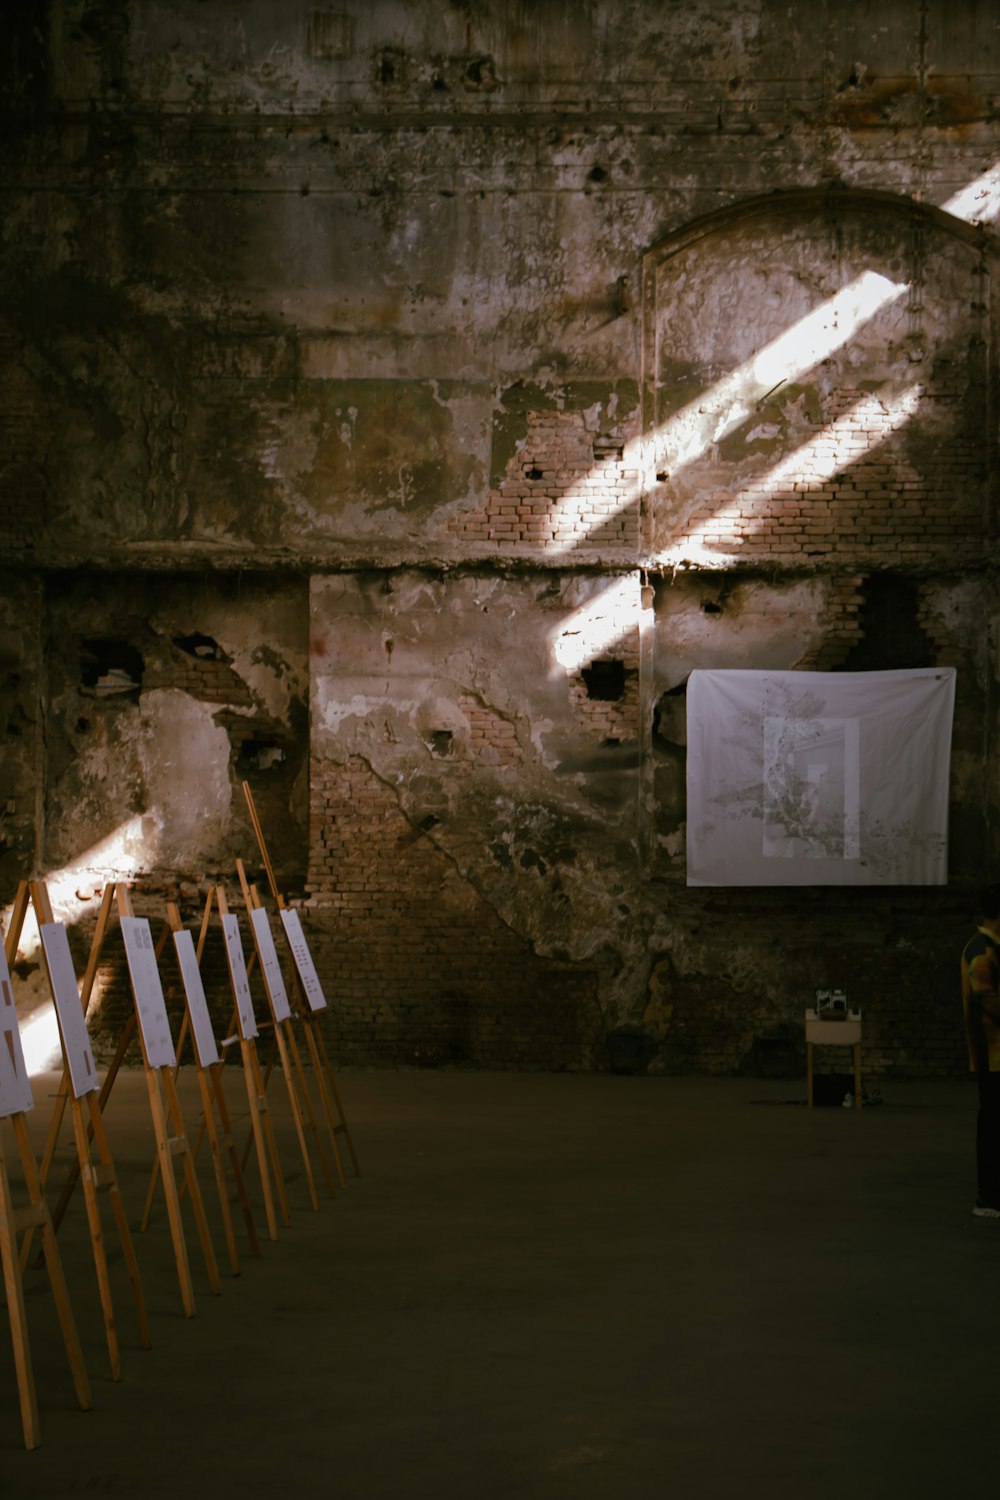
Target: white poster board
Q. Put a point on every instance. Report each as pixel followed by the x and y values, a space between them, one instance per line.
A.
pixel 150 1005
pixel 238 976
pixel 819 778
pixel 201 1024
pixel 15 1085
pixel 65 993
pixel 304 965
pixel 270 964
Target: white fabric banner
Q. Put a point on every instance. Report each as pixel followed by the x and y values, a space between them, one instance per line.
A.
pixel 818 778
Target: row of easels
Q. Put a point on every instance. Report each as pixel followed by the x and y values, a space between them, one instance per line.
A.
pixel 81 1093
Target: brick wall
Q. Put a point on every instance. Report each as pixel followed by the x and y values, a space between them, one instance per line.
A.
pixel 850 490
pixel 567 487
pixel 419 968
pixel 747 964
pixel 203 671
pixel 492 738
pixel 610 719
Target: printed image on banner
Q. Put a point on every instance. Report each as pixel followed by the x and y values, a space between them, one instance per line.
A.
pixel 72 1026
pixel 818 778
pixel 15 1085
pixel 149 1002
pixel 269 962
pixel 201 1025
pixel 238 976
pixel 303 960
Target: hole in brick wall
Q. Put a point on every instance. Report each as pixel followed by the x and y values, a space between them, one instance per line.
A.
pixel 670 717
pixel 533 472
pixel 109 668
pixel 390 70
pixel 480 73
pixel 201 646
pixel 82 725
pixel 441 741
pixel 608 450
pixel 605 681
pixel 892 636
pixel 711 608
pixel 258 755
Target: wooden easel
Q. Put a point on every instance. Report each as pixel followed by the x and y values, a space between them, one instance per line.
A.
pixel 124 1041
pixel 163 1103
pixel 94 1175
pixel 208 1066
pixel 333 1109
pixel 262 1131
pixel 34 1215
pixel 289 1059
pixel 12 1220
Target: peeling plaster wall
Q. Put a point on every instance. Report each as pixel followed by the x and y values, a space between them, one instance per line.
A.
pixel 385 423
pixel 163 695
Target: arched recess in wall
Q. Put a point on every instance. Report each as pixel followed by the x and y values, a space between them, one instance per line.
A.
pixel 817 377
pixel 817 386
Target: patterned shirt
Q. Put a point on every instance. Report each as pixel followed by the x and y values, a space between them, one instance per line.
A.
pixel 981 977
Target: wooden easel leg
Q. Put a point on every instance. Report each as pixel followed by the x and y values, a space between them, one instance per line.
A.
pixel 15 1310
pixel 218 1166
pixel 857 1075
pixel 342 1125
pixel 293 1099
pixel 102 1099
pixel 309 1118
pixel 96 1238
pixel 53 1266
pixel 262 1112
pixel 324 1094
pixel 121 1220
pixel 234 1160
pixel 51 1142
pixel 163 1147
pixel 262 1083
pixel 263 1139
pixel 190 1177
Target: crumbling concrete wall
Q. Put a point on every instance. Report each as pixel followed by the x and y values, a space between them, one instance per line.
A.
pixel 400 400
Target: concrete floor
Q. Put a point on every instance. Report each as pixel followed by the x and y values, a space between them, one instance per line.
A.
pixel 547 1287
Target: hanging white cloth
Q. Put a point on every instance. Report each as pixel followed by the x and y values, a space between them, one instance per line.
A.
pixel 818 778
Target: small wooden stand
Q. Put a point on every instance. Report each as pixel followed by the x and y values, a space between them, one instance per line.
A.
pixel 845 1032
pixel 35 1215
pixel 307 1012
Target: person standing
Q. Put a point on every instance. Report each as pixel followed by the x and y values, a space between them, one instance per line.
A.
pixel 981 1008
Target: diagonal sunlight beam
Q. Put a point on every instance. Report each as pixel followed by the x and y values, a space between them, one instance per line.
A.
pixel 690 432
pixel 119 856
pixel 979 201
pixel 829 453
pixel 732 399
pixel 592 628
pixel 589 499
